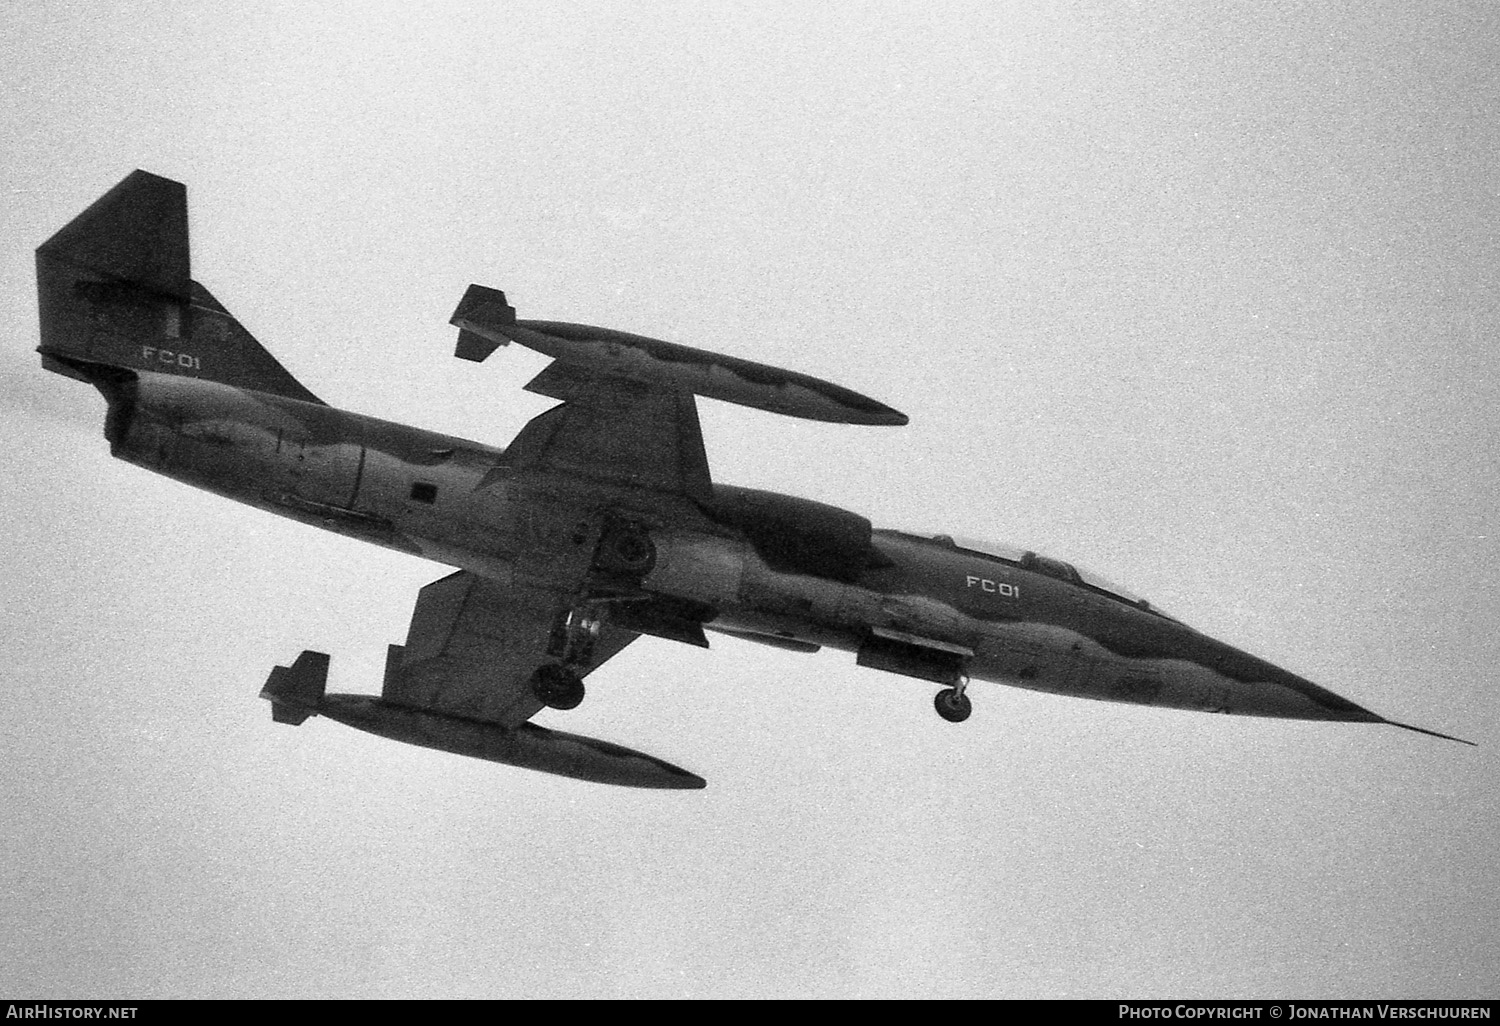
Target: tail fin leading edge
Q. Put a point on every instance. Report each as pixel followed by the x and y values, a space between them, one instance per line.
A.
pixel 115 290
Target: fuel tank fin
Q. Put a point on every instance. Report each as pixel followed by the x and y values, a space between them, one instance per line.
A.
pixel 297 691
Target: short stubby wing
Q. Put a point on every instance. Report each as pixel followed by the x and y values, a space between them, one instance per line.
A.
pixel 618 433
pixel 474 646
pixel 462 683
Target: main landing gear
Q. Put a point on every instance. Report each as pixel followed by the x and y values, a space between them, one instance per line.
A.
pixel 560 685
pixel 623 557
pixel 557 687
pixel 952 704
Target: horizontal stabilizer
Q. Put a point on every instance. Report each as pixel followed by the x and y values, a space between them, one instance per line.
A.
pixel 136 233
pixel 487 321
pixel 297 691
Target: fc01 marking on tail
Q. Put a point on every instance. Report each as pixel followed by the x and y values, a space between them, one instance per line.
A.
pixel 168 356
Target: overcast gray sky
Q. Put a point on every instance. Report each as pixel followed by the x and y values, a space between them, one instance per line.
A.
pixel 1201 296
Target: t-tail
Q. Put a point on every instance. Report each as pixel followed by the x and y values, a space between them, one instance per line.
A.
pixel 116 296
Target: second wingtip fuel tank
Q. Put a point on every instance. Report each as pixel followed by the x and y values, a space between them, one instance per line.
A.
pixel 487 321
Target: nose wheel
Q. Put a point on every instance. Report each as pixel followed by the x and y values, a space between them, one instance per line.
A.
pixel 952 704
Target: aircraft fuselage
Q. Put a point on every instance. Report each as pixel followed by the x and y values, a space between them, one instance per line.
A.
pixel 922 607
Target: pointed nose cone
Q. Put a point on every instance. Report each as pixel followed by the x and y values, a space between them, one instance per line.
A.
pixel 1325 705
pixel 1322 704
pixel 880 415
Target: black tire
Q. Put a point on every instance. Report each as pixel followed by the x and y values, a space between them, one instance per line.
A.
pixel 952 706
pixel 557 688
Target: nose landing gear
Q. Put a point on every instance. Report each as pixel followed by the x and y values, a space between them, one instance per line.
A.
pixel 952 704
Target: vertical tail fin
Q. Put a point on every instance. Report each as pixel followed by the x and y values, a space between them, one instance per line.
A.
pixel 115 291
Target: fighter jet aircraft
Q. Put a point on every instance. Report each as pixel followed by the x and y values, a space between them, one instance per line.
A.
pixel 600 522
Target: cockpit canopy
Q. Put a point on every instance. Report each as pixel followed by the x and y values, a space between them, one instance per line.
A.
pixel 1038 563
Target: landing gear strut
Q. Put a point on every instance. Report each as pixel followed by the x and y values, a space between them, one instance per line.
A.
pixel 624 555
pixel 560 685
pixel 952 704
pixel 573 634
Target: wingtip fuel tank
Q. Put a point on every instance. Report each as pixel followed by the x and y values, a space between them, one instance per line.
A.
pixel 486 321
pixel 297 692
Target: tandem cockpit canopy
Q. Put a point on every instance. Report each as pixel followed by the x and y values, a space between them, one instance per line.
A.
pixel 1026 559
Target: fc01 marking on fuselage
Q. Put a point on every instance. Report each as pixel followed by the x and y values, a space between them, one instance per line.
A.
pixel 990 587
